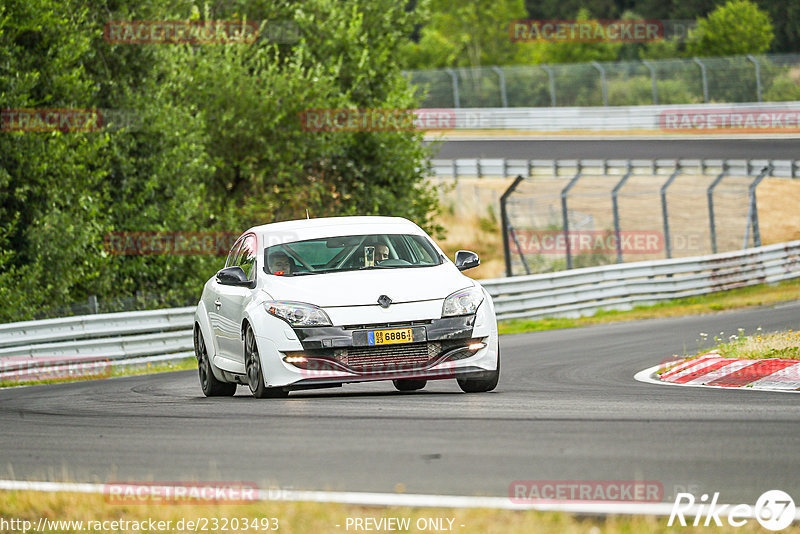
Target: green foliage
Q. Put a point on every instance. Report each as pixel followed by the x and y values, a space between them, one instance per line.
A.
pixel 214 141
pixel 736 28
pixel 465 34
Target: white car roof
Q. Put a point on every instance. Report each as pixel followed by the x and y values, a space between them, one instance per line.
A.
pixel 302 229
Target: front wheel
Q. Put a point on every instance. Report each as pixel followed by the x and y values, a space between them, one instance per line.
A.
pixel 485 383
pixel 255 374
pixel 208 382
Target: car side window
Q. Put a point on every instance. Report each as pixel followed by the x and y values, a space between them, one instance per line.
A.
pixel 231 261
pixel 246 258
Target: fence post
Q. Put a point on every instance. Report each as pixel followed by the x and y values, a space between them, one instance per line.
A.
pixel 552 77
pixel 565 215
pixel 752 208
pixel 506 225
pixel 705 79
pixel 664 216
pixel 614 194
pixel 758 75
pixel 502 79
pixel 652 80
pixel 710 195
pixel 456 96
pixel 603 84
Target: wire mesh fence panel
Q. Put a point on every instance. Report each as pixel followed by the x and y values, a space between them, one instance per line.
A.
pixel 771 78
pixel 780 77
pixel 578 85
pixel 478 88
pixel 434 88
pixel 527 87
pixel 639 208
pixel 731 79
pixel 630 83
pixel 730 212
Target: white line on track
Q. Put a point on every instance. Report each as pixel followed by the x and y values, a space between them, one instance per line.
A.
pixel 391 499
pixel 399 499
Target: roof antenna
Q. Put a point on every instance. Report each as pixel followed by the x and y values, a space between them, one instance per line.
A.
pixel 307 215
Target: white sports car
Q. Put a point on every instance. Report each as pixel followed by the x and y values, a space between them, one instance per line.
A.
pixel 322 302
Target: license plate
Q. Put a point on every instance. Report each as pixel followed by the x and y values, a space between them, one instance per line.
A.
pixel 388 337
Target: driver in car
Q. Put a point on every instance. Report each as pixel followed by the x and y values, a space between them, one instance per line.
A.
pixel 381 253
pixel 280 264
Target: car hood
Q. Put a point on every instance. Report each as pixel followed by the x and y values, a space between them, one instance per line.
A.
pixel 359 288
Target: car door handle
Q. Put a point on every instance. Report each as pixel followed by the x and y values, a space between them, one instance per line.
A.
pixel 217 303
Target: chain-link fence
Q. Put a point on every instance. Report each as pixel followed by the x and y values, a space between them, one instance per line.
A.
pixel 570 214
pixel 763 78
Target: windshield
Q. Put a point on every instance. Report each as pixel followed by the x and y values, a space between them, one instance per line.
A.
pixel 349 253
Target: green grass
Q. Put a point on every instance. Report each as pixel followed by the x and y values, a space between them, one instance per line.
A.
pixel 181 365
pixel 758 346
pixel 759 295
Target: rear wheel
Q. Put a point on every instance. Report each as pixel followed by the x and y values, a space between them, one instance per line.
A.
pixel 255 373
pixel 211 386
pixel 482 384
pixel 409 385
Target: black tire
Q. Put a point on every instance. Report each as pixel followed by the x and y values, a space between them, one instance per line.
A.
pixel 409 385
pixel 208 382
pixel 255 374
pixel 481 384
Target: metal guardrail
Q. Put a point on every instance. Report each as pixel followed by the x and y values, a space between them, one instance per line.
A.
pixel 583 291
pixel 508 167
pixel 32 333
pixel 568 293
pixel 30 348
pixel 769 117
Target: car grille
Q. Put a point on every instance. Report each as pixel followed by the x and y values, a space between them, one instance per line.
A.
pixel 400 357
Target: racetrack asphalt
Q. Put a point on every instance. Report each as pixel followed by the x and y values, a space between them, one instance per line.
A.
pixel 610 148
pixel 567 408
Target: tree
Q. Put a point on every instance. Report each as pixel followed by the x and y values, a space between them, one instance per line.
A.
pixel 736 28
pixel 473 33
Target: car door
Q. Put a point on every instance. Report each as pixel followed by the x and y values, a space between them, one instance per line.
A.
pixel 230 304
pixel 213 303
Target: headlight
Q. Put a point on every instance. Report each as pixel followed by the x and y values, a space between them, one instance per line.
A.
pixel 298 313
pixel 463 302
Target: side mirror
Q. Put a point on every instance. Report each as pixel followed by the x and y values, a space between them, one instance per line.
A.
pixel 234 276
pixel 466 259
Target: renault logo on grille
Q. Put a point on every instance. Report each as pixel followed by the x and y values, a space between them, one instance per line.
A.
pixel 384 301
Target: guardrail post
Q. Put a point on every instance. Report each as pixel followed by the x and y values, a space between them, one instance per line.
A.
pixel 652 80
pixel 456 96
pixel 664 215
pixel 705 78
pixel 710 195
pixel 603 83
pixel 551 75
pixel 758 75
pixel 614 195
pixel 506 224
pixel 565 215
pixel 502 79
pixel 752 208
